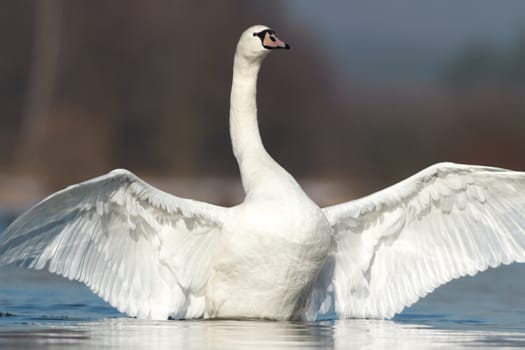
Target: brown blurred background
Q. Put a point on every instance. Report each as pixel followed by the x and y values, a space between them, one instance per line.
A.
pixel 371 92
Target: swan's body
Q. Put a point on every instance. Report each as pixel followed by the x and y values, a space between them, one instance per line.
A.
pixel 277 255
pixel 289 235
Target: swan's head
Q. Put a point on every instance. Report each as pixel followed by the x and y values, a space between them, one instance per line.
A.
pixel 257 41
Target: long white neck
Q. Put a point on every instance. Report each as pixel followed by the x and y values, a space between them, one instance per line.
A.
pixel 244 130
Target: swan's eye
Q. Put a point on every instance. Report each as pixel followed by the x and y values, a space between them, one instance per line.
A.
pixel 263 33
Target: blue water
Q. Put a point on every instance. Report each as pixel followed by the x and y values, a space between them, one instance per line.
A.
pixel 40 310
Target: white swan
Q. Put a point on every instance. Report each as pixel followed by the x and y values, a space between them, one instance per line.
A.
pixel 277 255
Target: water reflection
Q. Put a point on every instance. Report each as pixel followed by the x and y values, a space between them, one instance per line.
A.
pixel 389 334
pixel 123 333
pixel 210 334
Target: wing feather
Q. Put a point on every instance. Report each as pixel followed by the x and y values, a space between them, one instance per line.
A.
pixel 144 251
pixel 397 245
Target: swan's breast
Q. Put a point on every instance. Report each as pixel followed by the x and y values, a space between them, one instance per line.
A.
pixel 267 260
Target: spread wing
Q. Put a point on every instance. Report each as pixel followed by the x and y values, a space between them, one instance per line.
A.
pixel 144 251
pixel 397 245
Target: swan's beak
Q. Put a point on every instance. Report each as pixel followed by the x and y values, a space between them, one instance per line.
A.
pixel 270 41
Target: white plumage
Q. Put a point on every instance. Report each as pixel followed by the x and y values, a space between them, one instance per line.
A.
pixel 142 250
pixel 277 255
pixel 399 244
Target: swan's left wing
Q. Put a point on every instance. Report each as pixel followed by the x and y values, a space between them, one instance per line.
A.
pixel 144 251
pixel 397 245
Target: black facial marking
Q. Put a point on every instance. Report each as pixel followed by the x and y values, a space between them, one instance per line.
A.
pixel 263 33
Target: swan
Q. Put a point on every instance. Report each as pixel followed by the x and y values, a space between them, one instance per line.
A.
pixel 277 255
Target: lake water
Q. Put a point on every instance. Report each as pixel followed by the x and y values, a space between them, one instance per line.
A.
pixel 42 311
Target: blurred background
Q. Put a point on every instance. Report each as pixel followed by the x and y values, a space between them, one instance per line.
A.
pixel 371 92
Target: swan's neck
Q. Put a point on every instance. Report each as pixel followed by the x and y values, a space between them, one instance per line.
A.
pixel 244 130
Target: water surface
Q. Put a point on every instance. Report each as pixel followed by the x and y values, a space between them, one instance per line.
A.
pixel 39 311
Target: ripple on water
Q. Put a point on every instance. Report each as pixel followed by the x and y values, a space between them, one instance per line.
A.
pixel 123 333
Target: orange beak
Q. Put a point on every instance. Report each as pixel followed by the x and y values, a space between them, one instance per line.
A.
pixel 270 41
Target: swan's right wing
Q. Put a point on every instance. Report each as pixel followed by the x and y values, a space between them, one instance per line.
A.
pixel 398 244
pixel 144 251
